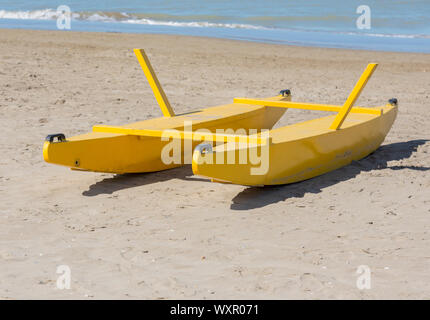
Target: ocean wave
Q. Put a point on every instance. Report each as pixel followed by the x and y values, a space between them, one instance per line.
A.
pixel 200 24
pixel 46 14
pixel 51 14
pixel 176 21
pixel 390 35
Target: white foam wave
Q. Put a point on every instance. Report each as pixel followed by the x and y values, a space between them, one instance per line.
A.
pixel 50 14
pixel 406 36
pixel 200 24
pixel 46 14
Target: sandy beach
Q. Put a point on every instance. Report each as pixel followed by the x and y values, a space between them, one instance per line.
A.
pixel 172 235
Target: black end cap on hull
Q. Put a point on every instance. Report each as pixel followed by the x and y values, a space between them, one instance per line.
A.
pixel 60 137
pixel 393 101
pixel 285 92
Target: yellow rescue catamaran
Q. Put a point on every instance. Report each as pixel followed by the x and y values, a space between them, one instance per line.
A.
pixel 137 147
pixel 294 153
pixel 303 150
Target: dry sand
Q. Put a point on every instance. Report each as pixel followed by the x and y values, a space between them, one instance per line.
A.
pixel 173 235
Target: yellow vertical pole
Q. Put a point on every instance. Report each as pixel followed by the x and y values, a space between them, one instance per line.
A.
pixel 353 96
pixel 159 94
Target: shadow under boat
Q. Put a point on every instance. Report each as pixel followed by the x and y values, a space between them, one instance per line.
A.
pixel 131 180
pixel 258 197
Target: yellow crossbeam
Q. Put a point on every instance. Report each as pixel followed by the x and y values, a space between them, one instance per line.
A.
pixel 353 96
pixel 305 106
pixel 159 94
pixel 189 135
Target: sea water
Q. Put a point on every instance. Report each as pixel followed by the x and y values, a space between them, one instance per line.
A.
pixel 392 25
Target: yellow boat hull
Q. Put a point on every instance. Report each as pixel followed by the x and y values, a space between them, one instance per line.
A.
pixel 301 151
pixel 121 153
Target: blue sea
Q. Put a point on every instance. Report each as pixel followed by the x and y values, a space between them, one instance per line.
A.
pixel 389 25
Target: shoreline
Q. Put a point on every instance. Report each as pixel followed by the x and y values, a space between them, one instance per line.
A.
pixel 323 39
pixel 172 235
pixel 209 38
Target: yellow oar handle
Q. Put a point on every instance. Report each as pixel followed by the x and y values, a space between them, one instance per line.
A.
pixel 159 94
pixel 353 96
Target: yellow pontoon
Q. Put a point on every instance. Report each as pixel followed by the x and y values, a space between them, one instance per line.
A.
pixel 125 149
pixel 302 150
